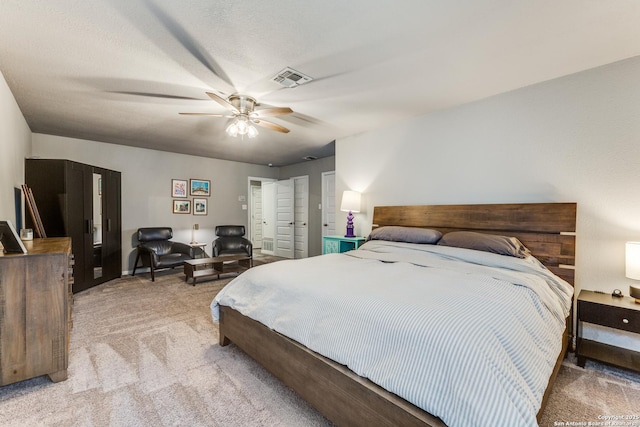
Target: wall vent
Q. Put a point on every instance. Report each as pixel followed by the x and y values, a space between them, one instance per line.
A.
pixel 291 78
pixel 267 244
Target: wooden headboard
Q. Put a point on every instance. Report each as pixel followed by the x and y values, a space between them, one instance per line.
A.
pixel 546 229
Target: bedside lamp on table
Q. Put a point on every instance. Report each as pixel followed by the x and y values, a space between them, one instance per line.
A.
pixel 632 270
pixel 350 203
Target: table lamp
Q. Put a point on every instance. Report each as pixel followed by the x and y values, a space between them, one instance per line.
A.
pixel 193 233
pixel 633 267
pixel 350 203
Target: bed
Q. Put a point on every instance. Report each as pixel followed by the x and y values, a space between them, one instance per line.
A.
pixel 359 394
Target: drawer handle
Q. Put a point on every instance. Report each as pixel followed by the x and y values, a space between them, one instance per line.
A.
pixel 625 320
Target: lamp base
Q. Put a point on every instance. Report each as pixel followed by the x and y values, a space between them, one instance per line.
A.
pixel 350 225
pixel 634 292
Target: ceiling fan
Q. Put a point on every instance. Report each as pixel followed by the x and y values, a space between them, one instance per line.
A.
pixel 245 115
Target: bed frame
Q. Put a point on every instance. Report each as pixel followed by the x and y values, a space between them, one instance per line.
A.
pixel 547 229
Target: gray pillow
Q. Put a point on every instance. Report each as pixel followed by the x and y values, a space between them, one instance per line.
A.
pixel 395 233
pixel 503 245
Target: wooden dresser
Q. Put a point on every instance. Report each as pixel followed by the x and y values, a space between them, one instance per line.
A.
pixel 35 311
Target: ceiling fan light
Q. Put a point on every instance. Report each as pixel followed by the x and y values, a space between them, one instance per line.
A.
pixel 232 129
pixel 243 127
pixel 252 132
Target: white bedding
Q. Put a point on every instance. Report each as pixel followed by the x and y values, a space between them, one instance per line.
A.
pixel 471 337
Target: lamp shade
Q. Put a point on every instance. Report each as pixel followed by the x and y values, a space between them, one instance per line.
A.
pixel 632 257
pixel 351 201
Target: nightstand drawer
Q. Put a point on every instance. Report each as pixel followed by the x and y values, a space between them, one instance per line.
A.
pixel 613 317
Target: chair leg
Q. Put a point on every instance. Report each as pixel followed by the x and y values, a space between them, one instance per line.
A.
pixel 135 264
pixel 153 275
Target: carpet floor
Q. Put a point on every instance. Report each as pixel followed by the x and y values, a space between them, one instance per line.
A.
pixel 145 353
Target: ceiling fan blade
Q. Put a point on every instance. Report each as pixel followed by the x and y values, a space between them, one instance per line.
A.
pixel 270 125
pixel 272 112
pixel 190 43
pixel 220 100
pixel 203 114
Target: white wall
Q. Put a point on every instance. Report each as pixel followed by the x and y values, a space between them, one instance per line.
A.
pixel 572 139
pixel 15 145
pixel 146 186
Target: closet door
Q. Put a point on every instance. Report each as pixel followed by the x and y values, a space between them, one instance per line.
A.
pixel 111 236
pixel 78 221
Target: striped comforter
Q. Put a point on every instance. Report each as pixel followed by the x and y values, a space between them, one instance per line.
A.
pixel 468 336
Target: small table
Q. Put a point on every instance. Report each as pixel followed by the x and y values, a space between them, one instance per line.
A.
pixel 339 244
pixel 202 247
pixel 204 267
pixel 606 310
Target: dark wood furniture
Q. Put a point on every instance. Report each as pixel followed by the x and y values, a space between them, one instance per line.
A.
pixel 606 310
pixel 547 229
pixel 205 267
pixel 35 311
pixel 82 202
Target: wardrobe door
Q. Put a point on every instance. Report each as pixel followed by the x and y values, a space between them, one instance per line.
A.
pixel 78 222
pixel 112 239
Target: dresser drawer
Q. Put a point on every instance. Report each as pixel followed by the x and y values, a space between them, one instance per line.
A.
pixel 613 317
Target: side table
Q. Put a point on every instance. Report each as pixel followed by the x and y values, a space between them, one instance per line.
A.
pixel 606 310
pixel 202 246
pixel 338 244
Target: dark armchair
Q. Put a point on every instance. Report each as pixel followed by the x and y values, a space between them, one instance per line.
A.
pixel 231 241
pixel 156 251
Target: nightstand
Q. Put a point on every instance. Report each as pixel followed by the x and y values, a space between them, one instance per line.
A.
pixel 338 244
pixel 202 253
pixel 606 310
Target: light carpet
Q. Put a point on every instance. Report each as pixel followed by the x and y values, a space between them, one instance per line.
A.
pixel 145 353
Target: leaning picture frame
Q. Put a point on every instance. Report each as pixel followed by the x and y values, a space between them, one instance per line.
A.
pixel 182 206
pixel 200 206
pixel 179 187
pixel 200 187
pixel 11 243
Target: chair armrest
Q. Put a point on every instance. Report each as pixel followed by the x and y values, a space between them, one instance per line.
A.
pixel 183 248
pixel 146 248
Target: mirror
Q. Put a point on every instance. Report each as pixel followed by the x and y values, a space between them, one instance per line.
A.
pixel 97 225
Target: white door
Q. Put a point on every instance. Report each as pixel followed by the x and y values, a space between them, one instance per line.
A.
pixel 268 217
pixel 301 216
pixel 284 218
pixel 328 203
pixel 256 216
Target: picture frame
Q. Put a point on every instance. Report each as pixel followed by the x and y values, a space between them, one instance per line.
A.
pixel 200 187
pixel 181 206
pixel 200 206
pixel 11 243
pixel 179 187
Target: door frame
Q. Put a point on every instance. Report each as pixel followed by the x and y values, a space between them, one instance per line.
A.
pixel 325 193
pixel 250 202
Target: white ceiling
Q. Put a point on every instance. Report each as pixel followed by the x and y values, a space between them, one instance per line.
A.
pixel 120 71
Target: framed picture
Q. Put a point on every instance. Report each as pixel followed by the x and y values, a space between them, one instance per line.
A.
pixel 200 187
pixel 179 187
pixel 200 206
pixel 182 206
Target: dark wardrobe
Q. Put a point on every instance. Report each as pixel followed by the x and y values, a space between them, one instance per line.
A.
pixel 82 202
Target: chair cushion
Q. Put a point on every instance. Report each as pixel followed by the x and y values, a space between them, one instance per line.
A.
pixel 172 260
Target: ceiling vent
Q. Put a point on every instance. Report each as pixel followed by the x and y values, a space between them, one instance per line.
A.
pixel 291 78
